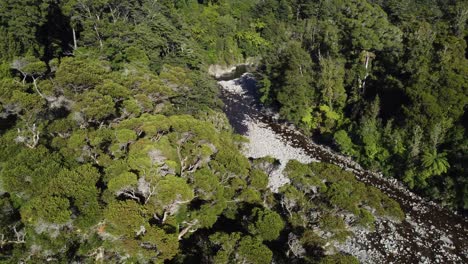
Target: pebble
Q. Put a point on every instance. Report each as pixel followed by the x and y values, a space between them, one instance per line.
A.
pixel 415 237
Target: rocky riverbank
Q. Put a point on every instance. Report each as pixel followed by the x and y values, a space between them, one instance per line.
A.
pixel 429 234
pixel 227 72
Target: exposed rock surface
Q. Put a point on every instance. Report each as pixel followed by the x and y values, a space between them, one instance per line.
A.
pixel 429 234
pixel 228 71
pixel 219 71
pixel 265 142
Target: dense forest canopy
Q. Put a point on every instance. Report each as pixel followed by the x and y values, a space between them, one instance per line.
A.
pixel 114 147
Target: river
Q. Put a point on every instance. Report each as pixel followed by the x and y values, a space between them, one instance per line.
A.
pixel 429 234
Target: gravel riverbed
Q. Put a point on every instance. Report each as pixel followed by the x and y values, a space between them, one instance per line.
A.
pixel 429 234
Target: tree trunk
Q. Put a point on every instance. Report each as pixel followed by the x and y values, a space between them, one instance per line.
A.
pixel 37 89
pixel 97 32
pixel 75 45
pixel 187 229
pixel 367 72
pixel 362 83
pixel 98 36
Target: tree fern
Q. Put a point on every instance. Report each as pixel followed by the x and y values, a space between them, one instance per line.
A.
pixel 435 162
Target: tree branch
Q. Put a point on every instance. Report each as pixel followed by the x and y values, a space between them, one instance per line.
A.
pixel 188 228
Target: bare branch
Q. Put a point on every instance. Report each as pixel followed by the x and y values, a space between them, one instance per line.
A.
pixel 30 141
pixel 20 237
pixel 188 228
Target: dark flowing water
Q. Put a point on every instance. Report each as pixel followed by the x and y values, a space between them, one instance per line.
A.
pixel 429 234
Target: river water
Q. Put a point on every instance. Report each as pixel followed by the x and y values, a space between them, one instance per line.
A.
pixel 429 234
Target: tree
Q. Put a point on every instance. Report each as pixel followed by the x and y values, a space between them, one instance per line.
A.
pixel 331 83
pixel 375 34
pixel 258 179
pixel 79 74
pixel 48 209
pixel 114 147
pixel 335 226
pixel 344 195
pixel 24 20
pixel 160 244
pixel 237 248
pixel 252 250
pixel 294 96
pixel 95 107
pixel 266 224
pixel 27 172
pixel 170 193
pixel 339 259
pixel 435 163
pixel 370 134
pixel 344 142
pixel 29 66
pixel 9 48
pixel 124 184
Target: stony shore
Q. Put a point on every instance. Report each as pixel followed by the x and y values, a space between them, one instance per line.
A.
pixel 429 234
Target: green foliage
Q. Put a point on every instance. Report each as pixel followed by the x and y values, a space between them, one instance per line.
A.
pixel 171 189
pixel 435 163
pixel 27 172
pixel 114 90
pixel 48 209
pixel 167 244
pixel 344 142
pixel 339 55
pixel 339 259
pixel 29 66
pixel 136 56
pixel 295 93
pixel 114 145
pixel 336 226
pixel 124 218
pixel 237 248
pixel 366 219
pixel 266 224
pixel 252 250
pixel 331 83
pixel 233 161
pixel 121 182
pixel 95 106
pixel 258 179
pixel 344 195
pixel 8 46
pixel 327 191
pixel 79 74
pixel 23 21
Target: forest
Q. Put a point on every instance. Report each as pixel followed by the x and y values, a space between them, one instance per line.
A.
pixel 115 148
